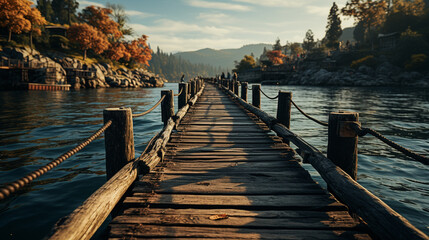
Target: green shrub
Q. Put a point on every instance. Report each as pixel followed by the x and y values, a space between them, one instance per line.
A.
pixel 416 62
pixel 58 42
pixel 368 60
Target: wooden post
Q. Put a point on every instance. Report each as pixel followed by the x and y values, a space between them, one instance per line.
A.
pixel 236 87
pixel 244 86
pixel 118 139
pixel 256 95
pixel 193 88
pixel 284 106
pixel 167 106
pixel 189 87
pixel 231 85
pixel 342 141
pixel 183 97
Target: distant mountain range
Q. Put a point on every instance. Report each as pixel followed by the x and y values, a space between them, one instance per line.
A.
pixel 225 58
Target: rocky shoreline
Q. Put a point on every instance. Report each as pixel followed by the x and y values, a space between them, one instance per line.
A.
pixel 77 74
pixel 385 74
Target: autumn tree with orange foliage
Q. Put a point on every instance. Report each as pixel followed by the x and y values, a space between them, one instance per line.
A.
pixel 37 20
pixel 276 56
pixel 13 16
pixel 140 51
pixel 100 19
pixel 88 37
pixel 118 51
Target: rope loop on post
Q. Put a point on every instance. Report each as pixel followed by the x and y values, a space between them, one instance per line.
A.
pixel 151 109
pixel 364 131
pixel 10 188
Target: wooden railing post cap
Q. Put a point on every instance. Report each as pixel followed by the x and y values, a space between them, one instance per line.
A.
pixel 117 109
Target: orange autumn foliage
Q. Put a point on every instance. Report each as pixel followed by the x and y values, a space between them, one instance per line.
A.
pixel 100 19
pixel 13 15
pixel 276 56
pixel 140 51
pixel 88 37
pixel 118 51
pixel 36 19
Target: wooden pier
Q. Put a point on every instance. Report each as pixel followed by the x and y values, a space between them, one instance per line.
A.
pixel 225 175
pixel 223 168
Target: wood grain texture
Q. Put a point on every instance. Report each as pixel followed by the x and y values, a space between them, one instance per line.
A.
pixel 224 160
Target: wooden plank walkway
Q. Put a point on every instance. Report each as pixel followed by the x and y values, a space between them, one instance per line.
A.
pixel 225 163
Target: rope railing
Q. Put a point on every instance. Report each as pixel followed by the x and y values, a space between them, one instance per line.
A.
pixel 181 90
pixel 151 109
pixel 10 188
pixel 308 116
pixel 364 131
pixel 272 98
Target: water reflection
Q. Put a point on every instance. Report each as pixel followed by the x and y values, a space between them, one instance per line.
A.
pixel 36 127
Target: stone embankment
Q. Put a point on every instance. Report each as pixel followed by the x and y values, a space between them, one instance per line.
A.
pixel 66 70
pixel 385 74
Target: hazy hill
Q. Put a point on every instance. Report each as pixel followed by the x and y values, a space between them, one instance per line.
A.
pixel 347 35
pixel 225 57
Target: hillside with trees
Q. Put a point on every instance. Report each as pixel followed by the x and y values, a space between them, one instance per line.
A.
pixel 172 67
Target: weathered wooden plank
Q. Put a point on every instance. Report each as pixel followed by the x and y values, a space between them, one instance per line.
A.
pixel 248 166
pixel 269 202
pixel 306 220
pixel 153 231
pixel 211 158
pixel 207 186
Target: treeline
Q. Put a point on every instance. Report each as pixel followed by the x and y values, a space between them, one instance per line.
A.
pixel 96 30
pixel 405 20
pixel 171 67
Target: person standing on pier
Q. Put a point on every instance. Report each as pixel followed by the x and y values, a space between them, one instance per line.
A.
pixel 182 79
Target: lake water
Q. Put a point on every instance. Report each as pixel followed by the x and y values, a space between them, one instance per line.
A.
pixel 36 127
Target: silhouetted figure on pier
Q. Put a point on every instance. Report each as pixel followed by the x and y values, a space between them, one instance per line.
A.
pixel 235 77
pixel 222 76
pixel 182 79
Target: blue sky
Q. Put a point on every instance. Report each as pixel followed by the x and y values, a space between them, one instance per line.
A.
pixel 187 25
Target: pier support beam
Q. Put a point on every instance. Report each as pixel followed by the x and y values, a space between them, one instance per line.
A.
pixel 256 95
pixel 342 141
pixel 118 139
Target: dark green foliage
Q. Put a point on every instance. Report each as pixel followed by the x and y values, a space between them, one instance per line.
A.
pixel 417 62
pixel 58 42
pixel 172 67
pixel 399 22
pixel 45 8
pixel 248 62
pixel 359 32
pixel 333 28
pixel 65 11
pixel 409 44
pixel 308 43
pixel 277 45
pixel 368 61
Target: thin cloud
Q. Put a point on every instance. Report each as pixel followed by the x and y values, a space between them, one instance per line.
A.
pixel 134 13
pixel 218 5
pixel 321 11
pixel 89 3
pixel 275 3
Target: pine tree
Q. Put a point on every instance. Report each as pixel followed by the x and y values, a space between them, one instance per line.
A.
pixel 333 29
pixel 277 46
pixel 45 8
pixel 308 43
pixel 65 11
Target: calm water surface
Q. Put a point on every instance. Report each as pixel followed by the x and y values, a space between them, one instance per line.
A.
pixel 36 127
